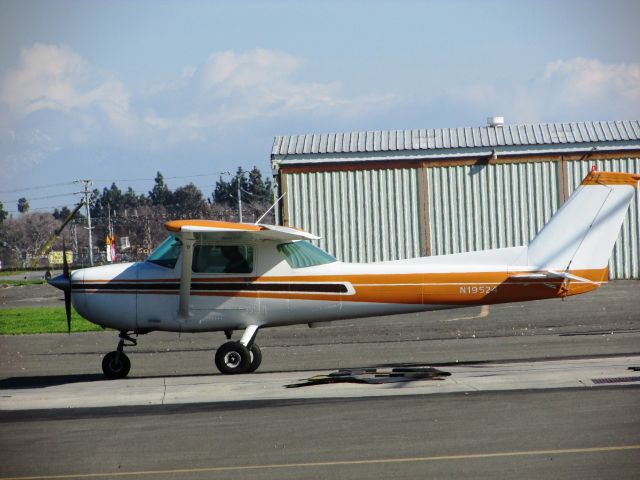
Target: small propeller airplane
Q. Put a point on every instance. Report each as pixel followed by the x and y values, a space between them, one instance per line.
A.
pixel 221 276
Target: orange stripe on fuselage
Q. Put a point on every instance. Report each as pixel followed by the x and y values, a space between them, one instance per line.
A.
pixel 438 288
pixel 426 288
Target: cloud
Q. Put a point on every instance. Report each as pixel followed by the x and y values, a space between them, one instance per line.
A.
pixel 586 80
pixel 563 90
pixel 236 88
pixel 229 71
pixel 54 99
pixel 258 83
pixel 51 77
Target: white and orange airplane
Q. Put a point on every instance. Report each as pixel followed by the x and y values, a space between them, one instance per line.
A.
pixel 219 276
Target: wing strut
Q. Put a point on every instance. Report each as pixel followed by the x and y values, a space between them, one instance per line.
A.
pixel 188 240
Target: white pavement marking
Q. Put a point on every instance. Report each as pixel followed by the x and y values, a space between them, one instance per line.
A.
pixel 337 463
pixel 484 312
pixel 271 386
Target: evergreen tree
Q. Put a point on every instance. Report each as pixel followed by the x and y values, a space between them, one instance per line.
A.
pixel 23 205
pixel 255 189
pixel 222 193
pixel 130 200
pixel 95 206
pixel 189 201
pixel 110 200
pixel 258 188
pixel 61 214
pixel 3 213
pixel 226 193
pixel 160 194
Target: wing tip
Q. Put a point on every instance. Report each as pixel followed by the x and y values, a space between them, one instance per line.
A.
pixel 179 225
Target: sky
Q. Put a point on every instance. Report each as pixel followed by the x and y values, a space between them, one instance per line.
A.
pixel 118 90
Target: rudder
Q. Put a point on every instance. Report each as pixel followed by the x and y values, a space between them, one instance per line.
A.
pixel 582 233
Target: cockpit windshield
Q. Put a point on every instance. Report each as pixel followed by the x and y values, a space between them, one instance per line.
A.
pixel 166 255
pixel 301 254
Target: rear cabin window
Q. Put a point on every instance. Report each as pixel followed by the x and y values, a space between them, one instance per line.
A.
pixel 222 259
pixel 302 254
pixel 167 253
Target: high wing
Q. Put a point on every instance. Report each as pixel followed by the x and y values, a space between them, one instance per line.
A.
pixel 224 231
pixel 238 231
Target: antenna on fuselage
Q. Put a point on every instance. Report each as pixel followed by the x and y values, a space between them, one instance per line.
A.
pixel 271 207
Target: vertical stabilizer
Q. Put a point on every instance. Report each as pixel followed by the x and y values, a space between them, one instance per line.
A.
pixel 581 234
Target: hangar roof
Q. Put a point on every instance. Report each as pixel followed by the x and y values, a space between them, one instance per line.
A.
pixel 432 140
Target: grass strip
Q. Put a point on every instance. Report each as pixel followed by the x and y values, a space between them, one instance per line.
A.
pixel 22 283
pixel 28 320
pixel 11 273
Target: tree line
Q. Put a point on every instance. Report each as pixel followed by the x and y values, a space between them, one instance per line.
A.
pixel 138 218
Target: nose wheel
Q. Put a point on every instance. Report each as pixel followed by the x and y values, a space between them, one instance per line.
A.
pixel 116 364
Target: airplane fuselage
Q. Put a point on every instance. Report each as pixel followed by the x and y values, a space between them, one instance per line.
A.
pixel 145 297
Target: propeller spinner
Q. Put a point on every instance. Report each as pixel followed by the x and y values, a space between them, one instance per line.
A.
pixel 63 282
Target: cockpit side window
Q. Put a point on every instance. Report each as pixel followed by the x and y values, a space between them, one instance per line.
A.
pixel 222 259
pixel 167 254
pixel 301 254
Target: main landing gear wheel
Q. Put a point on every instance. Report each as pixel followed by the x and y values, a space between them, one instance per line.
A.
pixel 116 365
pixel 256 357
pixel 233 357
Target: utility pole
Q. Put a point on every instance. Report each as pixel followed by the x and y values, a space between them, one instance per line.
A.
pixel 238 177
pixel 87 193
pixel 74 232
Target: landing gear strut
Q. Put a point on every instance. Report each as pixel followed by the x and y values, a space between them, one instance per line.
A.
pixel 116 364
pixel 239 357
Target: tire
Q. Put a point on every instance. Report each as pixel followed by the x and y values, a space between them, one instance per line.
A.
pixel 114 368
pixel 232 358
pixel 256 357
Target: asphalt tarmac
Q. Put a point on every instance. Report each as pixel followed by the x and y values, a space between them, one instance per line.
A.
pixel 568 434
pixel 520 429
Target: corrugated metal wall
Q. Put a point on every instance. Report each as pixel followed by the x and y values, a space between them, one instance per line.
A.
pixel 475 207
pixel 362 216
pixel 373 215
pixel 625 260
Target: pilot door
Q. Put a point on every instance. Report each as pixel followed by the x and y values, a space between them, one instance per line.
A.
pixel 221 286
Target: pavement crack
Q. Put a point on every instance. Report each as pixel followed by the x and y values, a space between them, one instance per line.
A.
pixel 164 390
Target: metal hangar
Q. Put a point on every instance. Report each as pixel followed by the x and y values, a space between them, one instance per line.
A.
pixel 385 195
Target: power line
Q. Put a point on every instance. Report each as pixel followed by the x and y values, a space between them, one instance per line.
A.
pixel 40 187
pixel 36 188
pixel 124 192
pixel 165 178
pixel 136 192
pixel 38 208
pixel 43 198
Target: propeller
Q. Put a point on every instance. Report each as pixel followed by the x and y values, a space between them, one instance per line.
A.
pixel 63 282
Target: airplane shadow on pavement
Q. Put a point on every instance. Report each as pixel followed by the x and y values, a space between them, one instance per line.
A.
pixel 48 381
pixel 58 380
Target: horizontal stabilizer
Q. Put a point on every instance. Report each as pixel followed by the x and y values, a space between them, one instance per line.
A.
pixel 552 274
